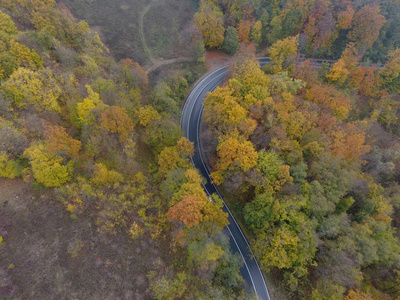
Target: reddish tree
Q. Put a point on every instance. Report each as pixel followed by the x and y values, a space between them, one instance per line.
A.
pixel 367 23
pixel 58 141
pixel 345 18
pixel 244 31
pixel 134 74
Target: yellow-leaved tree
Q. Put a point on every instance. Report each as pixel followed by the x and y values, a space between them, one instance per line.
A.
pixel 209 20
pixel 148 114
pixel 233 153
pixel 47 168
pixel 7 27
pixel 25 57
pixel 175 156
pixel 283 54
pixel 8 167
pixel 103 176
pixel 84 108
pixel 39 89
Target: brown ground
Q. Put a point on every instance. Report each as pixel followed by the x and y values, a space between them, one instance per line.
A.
pixel 48 255
pixel 215 59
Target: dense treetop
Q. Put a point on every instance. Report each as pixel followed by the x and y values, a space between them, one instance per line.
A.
pixel 305 154
pixel 325 27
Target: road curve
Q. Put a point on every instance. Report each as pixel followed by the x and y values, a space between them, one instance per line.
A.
pixel 190 123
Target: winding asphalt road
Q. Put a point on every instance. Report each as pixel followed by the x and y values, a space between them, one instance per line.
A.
pixel 190 123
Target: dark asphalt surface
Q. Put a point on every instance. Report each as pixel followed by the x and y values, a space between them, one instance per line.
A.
pixel 190 123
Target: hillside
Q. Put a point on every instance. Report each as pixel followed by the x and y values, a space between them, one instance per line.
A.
pixel 101 200
pixel 130 31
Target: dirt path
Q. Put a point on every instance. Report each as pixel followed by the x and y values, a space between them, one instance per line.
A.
pixel 156 63
pixel 160 63
pixel 142 37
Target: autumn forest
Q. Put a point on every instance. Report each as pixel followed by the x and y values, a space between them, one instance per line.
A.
pixel 99 198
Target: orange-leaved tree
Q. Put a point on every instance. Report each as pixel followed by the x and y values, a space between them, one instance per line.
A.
pixel 192 206
pixel 116 120
pixel 345 18
pixel 349 142
pixel 244 31
pixel 58 141
pixel 366 25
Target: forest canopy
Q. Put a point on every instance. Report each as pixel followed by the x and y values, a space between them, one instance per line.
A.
pixel 324 27
pixel 304 151
pixel 106 144
pixel 307 154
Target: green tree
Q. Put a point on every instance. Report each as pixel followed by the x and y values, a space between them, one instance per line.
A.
pixel 203 252
pixel 231 41
pixel 269 163
pixel 389 75
pixel 293 22
pixel 162 133
pixel 262 212
pixel 167 288
pixel 275 32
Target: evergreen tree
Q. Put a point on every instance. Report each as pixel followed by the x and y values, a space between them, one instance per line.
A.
pixel 231 42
